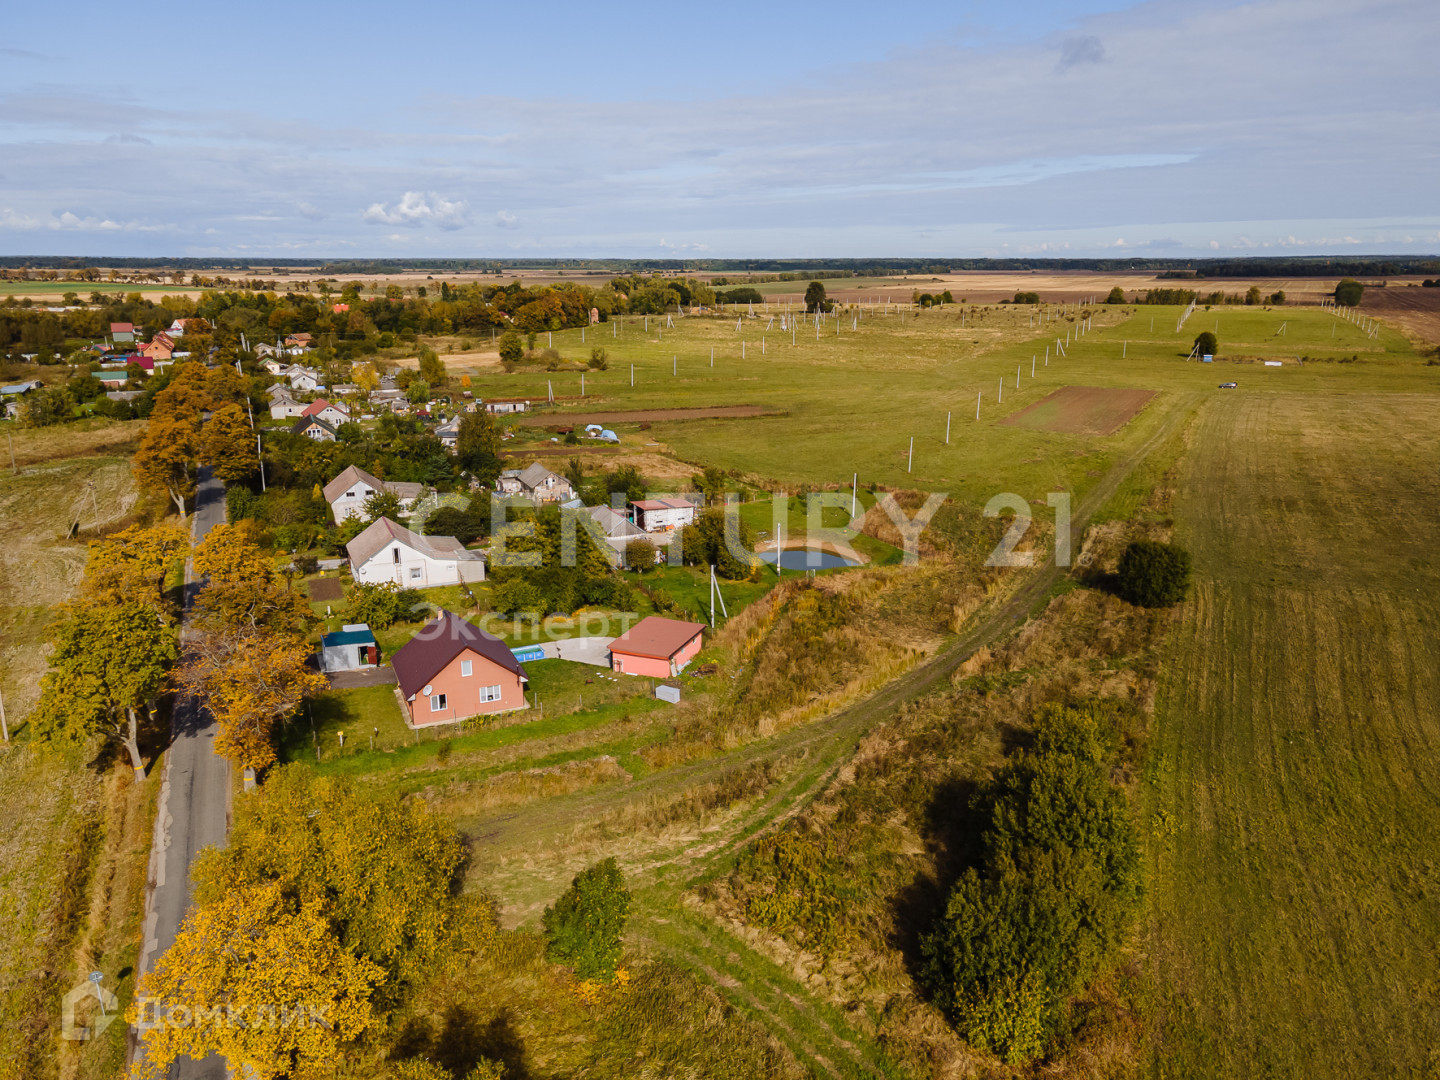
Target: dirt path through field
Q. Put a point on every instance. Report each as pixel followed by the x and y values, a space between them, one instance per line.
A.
pixel 525 858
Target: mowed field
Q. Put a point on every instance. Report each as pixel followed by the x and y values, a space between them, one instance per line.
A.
pixel 1295 780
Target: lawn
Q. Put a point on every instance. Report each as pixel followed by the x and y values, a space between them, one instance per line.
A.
pixel 564 698
pixel 1294 794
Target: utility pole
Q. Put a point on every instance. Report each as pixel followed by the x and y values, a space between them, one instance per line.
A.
pixel 261 456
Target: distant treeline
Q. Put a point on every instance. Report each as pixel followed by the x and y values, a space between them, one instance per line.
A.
pixel 1280 266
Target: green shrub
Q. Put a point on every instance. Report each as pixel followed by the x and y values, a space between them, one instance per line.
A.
pixel 584 928
pixel 380 604
pixel 598 359
pixel 1206 344
pixel 1152 574
pixel 1349 292
pixel 1117 296
pixel 1055 892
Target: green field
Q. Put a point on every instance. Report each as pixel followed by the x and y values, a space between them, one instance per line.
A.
pixel 853 401
pixel 1295 787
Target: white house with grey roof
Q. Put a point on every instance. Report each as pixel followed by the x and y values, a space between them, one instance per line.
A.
pixel 347 493
pixel 387 552
pixel 535 482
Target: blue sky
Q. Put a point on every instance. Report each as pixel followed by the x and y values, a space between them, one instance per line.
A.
pixel 1086 128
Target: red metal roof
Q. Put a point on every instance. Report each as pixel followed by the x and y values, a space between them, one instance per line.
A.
pixel 656 637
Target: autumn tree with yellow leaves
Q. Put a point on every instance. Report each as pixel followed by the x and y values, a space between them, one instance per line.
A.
pixel 262 982
pixel 228 445
pixel 248 659
pixel 325 897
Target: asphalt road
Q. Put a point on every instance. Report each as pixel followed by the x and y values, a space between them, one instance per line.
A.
pixel 194 805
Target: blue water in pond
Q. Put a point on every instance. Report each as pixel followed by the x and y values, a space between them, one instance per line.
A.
pixel 800 559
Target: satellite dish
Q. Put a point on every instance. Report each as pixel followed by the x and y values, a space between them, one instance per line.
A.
pixel 427 690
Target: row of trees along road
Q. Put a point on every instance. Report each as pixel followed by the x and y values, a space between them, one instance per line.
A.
pixel 198 418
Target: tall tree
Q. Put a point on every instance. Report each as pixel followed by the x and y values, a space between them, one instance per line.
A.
pixel 133 564
pixel 477 445
pixel 249 679
pixel 228 445
pixel 243 589
pixel 166 457
pixel 265 985
pixel 109 661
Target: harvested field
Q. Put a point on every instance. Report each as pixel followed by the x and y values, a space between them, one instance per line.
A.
pixel 1416 311
pixel 1081 410
pixel 716 412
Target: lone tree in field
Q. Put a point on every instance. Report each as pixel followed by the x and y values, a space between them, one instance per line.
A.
pixel 1117 296
pixel 512 348
pixel 1206 344
pixel 815 296
pixel 1153 575
pixel 584 927
pixel 1349 292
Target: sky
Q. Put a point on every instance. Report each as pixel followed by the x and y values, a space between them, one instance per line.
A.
pixel 1088 128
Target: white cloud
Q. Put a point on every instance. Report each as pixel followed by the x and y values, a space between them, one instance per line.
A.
pixel 1087 49
pixel 416 208
pixel 504 219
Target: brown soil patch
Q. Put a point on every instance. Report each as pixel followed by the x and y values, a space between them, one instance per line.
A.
pixel 717 412
pixel 1415 311
pixel 326 589
pixel 1082 410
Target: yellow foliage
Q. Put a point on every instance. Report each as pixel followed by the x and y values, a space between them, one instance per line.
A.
pixel 270 989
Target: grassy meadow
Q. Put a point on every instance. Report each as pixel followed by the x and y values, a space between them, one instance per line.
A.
pixel 853 401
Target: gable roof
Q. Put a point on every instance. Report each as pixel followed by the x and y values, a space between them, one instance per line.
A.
pixel 534 474
pixel 655 637
pixel 440 641
pixel 319 405
pixel 381 531
pixel 353 474
pixel 613 523
pixel 306 422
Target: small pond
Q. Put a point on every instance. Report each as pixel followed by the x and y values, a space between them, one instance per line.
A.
pixel 800 559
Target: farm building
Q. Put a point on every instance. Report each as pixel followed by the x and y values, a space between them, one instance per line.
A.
pixel 350 648
pixel 389 552
pixel 535 482
pixel 452 670
pixel 502 406
pixel 662 515
pixel 656 646
pixel 347 493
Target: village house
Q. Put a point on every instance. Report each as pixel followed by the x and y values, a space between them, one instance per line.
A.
pixel 656 647
pixel 122 332
pixel 298 341
pixel 449 433
pixel 619 530
pixel 304 379
pixel 334 415
pixel 347 493
pixel 282 404
pixel 161 347
pixel 535 482
pixel 312 427
pixel 452 670
pixel 387 552
pixel 662 515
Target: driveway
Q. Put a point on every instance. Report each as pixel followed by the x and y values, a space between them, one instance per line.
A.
pixel 584 650
pixel 354 680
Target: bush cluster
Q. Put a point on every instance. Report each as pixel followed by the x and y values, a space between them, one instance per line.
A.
pixel 1152 574
pixel 1055 891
